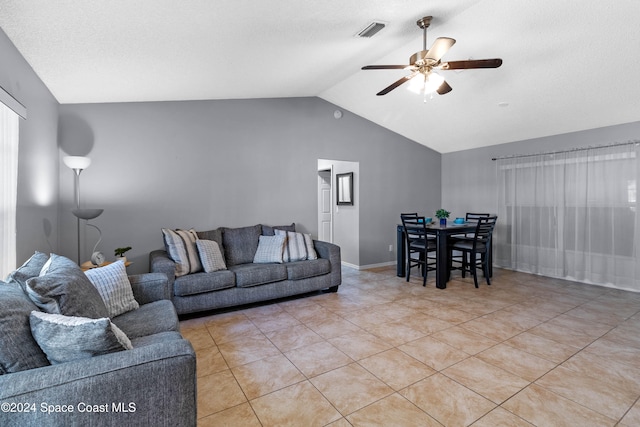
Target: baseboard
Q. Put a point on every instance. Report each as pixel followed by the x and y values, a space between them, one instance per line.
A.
pixel 368 266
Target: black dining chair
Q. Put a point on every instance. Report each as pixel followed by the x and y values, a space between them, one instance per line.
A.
pixel 418 246
pixel 471 217
pixel 479 244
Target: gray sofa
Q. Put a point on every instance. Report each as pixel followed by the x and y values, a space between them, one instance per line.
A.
pixel 152 384
pixel 243 281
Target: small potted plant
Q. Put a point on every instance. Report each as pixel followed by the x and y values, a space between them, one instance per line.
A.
pixel 443 214
pixel 119 253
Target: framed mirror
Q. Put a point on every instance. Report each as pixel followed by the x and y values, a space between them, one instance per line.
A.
pixel 344 185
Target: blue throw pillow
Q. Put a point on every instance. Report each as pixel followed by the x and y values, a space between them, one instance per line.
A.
pixel 66 338
pixel 65 289
pixel 18 350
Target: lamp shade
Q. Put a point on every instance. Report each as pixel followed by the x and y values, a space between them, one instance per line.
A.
pixel 424 84
pixel 76 162
pixel 87 213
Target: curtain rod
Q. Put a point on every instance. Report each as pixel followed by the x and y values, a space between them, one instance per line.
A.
pixel 615 144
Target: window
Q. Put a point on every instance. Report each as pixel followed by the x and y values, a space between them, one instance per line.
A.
pixel 9 126
pixel 572 215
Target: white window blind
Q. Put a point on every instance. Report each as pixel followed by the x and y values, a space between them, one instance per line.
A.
pixel 9 127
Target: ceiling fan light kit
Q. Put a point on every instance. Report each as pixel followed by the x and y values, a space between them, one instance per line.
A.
pixel 422 64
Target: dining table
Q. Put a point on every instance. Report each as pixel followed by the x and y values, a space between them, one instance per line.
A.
pixel 442 234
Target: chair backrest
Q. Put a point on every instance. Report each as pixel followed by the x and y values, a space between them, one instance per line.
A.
pixel 414 227
pixel 484 231
pixel 473 217
pixel 409 215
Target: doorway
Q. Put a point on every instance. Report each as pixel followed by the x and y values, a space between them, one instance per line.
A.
pixel 339 224
pixel 325 213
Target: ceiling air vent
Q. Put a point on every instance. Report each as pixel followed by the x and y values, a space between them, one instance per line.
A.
pixel 371 29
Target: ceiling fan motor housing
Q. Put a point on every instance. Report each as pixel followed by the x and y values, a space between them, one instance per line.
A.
pixel 420 58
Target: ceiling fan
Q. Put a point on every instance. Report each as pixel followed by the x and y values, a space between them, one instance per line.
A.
pixel 421 65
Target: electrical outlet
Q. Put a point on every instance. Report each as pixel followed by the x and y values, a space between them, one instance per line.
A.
pixel 390 248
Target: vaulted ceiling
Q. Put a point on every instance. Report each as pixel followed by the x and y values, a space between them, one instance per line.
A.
pixel 568 65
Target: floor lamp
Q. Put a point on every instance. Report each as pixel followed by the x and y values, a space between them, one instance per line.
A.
pixel 78 164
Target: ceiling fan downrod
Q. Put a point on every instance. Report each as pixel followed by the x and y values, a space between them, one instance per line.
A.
pixel 424 24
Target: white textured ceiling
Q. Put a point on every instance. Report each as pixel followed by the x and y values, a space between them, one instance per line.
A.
pixel 568 65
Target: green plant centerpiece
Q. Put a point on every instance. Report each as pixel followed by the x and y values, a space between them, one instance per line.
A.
pixel 119 253
pixel 442 215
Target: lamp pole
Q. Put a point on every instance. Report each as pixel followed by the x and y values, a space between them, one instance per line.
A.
pixel 77 190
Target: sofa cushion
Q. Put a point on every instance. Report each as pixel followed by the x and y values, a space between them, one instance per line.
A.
pixel 298 246
pixel 309 268
pixel 268 230
pixel 112 283
pixel 210 255
pixel 270 249
pixel 203 282
pixel 65 289
pixel 67 338
pixel 248 275
pixel 149 319
pixel 31 268
pixel 18 349
pixel 181 247
pixel 240 244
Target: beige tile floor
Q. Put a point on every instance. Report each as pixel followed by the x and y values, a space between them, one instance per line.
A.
pixel 526 350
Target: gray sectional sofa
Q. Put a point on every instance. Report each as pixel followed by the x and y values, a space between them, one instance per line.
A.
pixel 244 281
pixel 154 383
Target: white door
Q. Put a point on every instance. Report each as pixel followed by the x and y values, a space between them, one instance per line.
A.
pixel 325 224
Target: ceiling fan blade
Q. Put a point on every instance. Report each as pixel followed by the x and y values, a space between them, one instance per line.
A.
pixel 471 63
pixel 444 88
pixel 394 85
pixel 384 67
pixel 440 47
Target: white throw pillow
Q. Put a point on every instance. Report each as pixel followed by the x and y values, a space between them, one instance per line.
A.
pixel 270 249
pixel 114 287
pixel 210 255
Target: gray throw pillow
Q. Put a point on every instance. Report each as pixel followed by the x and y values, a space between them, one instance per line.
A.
pixel 240 244
pixel 65 289
pixel 114 287
pixel 67 338
pixel 18 350
pixel 31 268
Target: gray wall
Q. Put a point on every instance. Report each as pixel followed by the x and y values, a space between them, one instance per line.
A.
pixel 37 210
pixel 469 180
pixel 206 164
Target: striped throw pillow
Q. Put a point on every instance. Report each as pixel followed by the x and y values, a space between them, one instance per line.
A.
pixel 181 247
pixel 298 246
pixel 114 287
pixel 311 250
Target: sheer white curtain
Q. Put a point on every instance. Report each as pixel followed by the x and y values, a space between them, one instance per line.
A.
pixel 9 125
pixel 571 215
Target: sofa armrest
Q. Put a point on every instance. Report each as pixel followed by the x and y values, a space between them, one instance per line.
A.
pixel 332 253
pixel 149 287
pixel 159 262
pixel 150 385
